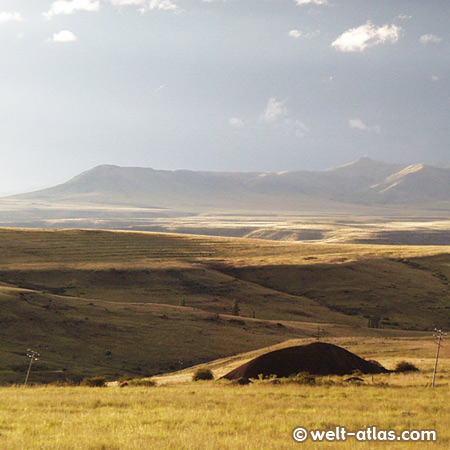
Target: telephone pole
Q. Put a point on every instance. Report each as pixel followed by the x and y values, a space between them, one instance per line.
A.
pixel 319 333
pixel 34 356
pixel 439 334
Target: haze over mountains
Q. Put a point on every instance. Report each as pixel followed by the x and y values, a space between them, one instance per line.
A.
pixel 362 183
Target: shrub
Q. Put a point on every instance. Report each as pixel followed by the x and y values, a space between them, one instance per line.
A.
pixel 405 366
pixel 203 373
pixel 235 308
pixel 94 381
pixel 148 382
pixel 303 378
pixel 125 377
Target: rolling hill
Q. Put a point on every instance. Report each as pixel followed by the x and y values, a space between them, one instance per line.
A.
pixel 107 303
pixel 362 183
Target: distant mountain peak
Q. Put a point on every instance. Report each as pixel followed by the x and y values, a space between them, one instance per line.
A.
pixel 361 182
pixel 363 162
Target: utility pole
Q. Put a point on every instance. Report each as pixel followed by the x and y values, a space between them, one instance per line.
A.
pixel 319 333
pixel 439 334
pixel 34 356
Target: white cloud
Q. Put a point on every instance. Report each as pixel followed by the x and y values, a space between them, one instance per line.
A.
pixel 236 122
pixel 62 7
pixel 312 34
pixel 274 110
pixel 426 38
pixel 64 36
pixel 10 17
pixel 368 35
pixel 277 115
pixel 311 2
pixel 295 34
pixel 435 78
pixel 404 17
pixel 147 5
pixel 360 125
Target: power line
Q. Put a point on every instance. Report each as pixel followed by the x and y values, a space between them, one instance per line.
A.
pixel 439 335
pixel 34 356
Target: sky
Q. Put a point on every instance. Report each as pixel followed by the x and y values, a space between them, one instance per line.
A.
pixel 223 85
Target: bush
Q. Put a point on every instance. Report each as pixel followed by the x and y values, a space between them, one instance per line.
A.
pixel 203 373
pixel 405 366
pixel 94 381
pixel 148 382
pixel 125 377
pixel 303 378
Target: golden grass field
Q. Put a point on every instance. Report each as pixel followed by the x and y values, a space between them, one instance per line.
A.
pixel 217 415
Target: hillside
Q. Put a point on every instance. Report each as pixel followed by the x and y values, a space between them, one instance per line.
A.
pixel 364 183
pixel 109 302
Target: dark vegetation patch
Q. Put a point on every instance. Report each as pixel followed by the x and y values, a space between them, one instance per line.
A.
pixel 405 366
pixel 318 358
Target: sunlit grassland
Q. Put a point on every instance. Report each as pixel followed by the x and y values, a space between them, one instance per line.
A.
pixel 212 415
pixel 89 248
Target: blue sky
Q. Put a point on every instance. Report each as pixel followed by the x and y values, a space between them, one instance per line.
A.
pixel 265 85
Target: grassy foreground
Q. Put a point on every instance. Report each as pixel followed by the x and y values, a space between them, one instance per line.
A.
pixel 210 415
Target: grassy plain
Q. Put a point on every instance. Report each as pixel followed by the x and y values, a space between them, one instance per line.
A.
pixel 211 415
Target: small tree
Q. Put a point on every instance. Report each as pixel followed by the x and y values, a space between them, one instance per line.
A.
pixel 182 302
pixel 202 373
pixel 374 322
pixel 235 308
pixel 405 366
pixel 94 381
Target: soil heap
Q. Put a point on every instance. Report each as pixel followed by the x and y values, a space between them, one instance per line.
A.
pixel 318 358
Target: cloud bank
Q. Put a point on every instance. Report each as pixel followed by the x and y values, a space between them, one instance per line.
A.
pixel 10 17
pixel 64 36
pixel 311 2
pixel 274 110
pixel 277 114
pixel 367 35
pixel 147 5
pixel 62 7
pixel 360 125
pixel 427 38
pixel 236 122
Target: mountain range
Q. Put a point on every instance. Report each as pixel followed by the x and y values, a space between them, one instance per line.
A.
pixel 364 183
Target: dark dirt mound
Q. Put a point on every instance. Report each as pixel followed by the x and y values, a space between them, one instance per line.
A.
pixel 317 358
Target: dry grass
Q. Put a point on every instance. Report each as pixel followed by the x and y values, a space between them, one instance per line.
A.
pixel 112 297
pixel 210 415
